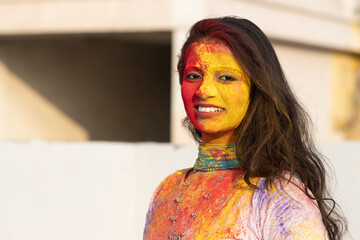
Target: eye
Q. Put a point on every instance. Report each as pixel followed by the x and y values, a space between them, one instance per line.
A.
pixel 193 76
pixel 227 78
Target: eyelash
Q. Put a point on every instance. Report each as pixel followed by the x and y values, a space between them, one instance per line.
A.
pixel 192 76
pixel 225 78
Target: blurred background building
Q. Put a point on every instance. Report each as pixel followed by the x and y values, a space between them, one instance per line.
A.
pixel 105 70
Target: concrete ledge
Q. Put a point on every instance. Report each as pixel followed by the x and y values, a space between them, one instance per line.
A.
pixel 83 16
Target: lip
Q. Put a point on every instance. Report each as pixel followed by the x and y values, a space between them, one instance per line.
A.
pixel 207 114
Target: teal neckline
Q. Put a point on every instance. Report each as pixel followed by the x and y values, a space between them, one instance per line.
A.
pixel 214 157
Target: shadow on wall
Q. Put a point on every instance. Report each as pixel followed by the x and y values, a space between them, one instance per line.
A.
pixel 117 87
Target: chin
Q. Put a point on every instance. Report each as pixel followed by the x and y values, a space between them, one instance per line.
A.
pixel 214 132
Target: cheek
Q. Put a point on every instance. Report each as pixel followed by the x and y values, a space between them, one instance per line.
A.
pixel 188 91
pixel 185 95
pixel 238 95
pixel 237 102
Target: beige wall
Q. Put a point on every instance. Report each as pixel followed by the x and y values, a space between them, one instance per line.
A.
pixel 26 114
pixel 345 96
pixel 83 16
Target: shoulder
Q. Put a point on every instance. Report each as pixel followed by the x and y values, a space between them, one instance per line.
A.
pixel 287 194
pixel 284 210
pixel 176 176
pixel 166 185
pixel 171 180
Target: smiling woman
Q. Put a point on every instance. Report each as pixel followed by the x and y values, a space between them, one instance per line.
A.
pixel 257 175
pixel 215 91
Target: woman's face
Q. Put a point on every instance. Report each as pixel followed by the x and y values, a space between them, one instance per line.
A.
pixel 214 89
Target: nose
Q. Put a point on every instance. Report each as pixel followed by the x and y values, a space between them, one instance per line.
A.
pixel 207 88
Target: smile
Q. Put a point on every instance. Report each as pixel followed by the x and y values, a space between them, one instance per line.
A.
pixel 209 109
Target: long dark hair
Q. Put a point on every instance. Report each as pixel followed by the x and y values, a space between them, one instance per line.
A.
pixel 274 136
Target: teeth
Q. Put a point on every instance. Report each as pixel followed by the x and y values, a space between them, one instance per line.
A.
pixel 209 109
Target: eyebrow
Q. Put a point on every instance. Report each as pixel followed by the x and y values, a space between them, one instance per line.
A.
pixel 230 69
pixel 192 68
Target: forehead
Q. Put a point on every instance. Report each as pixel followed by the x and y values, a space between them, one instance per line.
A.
pixel 210 55
pixel 204 48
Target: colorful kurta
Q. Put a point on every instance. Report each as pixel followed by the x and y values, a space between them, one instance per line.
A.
pixel 233 210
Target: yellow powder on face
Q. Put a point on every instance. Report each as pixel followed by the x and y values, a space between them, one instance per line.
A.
pixel 213 60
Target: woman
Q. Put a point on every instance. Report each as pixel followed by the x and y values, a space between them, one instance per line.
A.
pixel 258 175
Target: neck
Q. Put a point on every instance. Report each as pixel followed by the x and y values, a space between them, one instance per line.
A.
pixel 219 138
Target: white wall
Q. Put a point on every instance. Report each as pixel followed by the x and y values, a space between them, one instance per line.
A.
pixel 96 190
pixel 345 159
pixel 309 74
